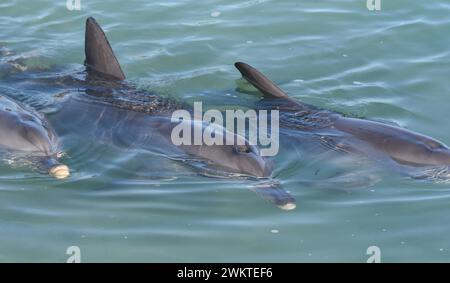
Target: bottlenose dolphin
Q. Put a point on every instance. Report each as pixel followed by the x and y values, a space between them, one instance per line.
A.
pixel 25 132
pixel 408 150
pixel 108 110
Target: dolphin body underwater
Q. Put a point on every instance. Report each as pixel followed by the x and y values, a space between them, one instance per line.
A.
pixel 412 154
pixel 107 109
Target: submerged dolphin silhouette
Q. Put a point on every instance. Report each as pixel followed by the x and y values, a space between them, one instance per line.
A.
pixel 404 147
pixel 109 110
pixel 23 131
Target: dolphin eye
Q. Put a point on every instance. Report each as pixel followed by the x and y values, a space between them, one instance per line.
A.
pixel 242 149
pixel 433 144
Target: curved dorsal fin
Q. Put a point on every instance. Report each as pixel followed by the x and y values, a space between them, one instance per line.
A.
pixel 99 55
pixel 261 82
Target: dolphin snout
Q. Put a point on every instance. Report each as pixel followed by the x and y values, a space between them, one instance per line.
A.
pixel 54 168
pixel 59 171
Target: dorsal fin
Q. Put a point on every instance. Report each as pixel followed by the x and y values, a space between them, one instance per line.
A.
pixel 261 82
pixel 99 55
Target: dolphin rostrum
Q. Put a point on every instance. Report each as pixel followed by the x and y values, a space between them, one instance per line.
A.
pixel 404 147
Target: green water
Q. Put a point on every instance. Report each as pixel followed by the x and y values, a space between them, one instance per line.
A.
pixel 390 65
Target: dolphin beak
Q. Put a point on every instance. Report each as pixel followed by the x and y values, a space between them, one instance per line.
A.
pixel 275 194
pixel 288 206
pixel 59 171
pixel 54 168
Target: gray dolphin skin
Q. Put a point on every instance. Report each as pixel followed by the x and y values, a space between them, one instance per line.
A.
pixel 404 147
pixel 108 110
pixel 23 131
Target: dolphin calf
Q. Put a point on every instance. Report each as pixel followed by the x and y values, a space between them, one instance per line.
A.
pixel 407 149
pixel 24 131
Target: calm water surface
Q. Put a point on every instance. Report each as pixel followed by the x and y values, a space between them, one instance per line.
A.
pixel 390 65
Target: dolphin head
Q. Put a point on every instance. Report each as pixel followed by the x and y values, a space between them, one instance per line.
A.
pixel 229 151
pixel 402 145
pixel 418 150
pixel 239 159
pixel 27 132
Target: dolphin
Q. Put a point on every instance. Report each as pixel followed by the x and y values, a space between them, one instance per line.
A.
pixel 24 131
pixel 101 64
pixel 134 130
pixel 151 129
pixel 405 148
pixel 108 110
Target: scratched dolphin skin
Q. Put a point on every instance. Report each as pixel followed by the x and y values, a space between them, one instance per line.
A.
pixel 405 148
pixel 23 131
pixel 102 105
